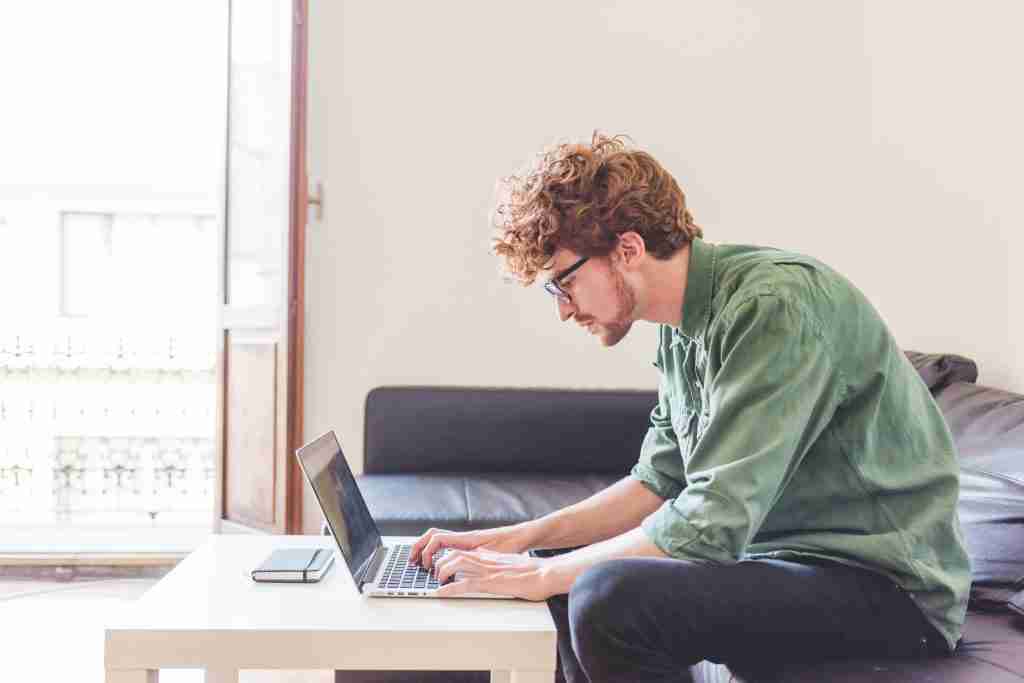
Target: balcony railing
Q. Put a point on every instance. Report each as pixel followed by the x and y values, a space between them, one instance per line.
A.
pixel 105 425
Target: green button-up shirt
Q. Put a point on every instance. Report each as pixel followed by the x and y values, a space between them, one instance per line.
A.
pixel 790 425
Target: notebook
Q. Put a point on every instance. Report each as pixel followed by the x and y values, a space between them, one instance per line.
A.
pixel 294 565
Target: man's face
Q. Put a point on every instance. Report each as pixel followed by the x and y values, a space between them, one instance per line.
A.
pixel 603 302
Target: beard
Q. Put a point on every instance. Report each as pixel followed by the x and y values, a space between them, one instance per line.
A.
pixel 611 333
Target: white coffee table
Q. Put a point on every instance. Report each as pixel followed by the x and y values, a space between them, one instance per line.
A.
pixel 207 613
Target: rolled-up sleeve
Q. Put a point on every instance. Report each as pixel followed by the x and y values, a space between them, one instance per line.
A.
pixel 773 390
pixel 660 465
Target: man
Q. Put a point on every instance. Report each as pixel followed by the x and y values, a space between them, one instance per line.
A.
pixel 796 492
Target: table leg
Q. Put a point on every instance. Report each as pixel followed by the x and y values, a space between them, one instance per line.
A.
pixel 222 676
pixel 133 676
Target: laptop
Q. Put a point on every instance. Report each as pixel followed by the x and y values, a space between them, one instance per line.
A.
pixel 378 570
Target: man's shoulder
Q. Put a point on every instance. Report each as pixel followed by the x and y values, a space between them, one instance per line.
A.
pixel 745 272
pixel 741 265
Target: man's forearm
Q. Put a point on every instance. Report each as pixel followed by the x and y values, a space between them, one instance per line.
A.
pixel 605 515
pixel 560 571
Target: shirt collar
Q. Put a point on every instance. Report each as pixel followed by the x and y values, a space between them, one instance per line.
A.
pixel 700 281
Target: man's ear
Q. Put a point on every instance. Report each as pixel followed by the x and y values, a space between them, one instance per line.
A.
pixel 631 248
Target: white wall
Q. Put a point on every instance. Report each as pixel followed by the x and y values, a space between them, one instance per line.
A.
pixel 882 138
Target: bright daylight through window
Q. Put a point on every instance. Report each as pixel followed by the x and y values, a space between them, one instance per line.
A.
pixel 110 183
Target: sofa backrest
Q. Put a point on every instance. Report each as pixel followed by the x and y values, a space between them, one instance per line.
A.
pixel 468 429
pixel 412 429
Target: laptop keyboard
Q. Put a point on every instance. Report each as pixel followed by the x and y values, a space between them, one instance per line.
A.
pixel 400 575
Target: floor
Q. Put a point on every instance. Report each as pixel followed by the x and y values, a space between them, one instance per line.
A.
pixel 51 632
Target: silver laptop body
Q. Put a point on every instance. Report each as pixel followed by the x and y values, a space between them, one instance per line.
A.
pixel 378 570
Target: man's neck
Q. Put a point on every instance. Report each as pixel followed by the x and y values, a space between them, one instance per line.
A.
pixel 667 288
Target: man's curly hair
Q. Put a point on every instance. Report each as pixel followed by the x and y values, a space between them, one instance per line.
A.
pixel 581 197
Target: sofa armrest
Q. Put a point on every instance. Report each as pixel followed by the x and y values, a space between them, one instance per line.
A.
pixel 939 370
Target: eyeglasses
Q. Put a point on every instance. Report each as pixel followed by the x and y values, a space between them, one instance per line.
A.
pixel 553 287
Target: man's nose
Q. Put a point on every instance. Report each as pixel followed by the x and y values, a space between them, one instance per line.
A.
pixel 565 309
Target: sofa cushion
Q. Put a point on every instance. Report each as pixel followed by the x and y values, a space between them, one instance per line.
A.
pixel 992 518
pixel 408 505
pixel 988 427
pixel 939 370
pixel 534 431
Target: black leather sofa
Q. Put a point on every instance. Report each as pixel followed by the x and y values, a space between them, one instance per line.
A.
pixel 470 458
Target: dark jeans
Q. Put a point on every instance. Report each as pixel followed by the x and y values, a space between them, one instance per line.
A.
pixel 649 619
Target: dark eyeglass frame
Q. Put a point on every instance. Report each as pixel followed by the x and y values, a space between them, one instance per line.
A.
pixel 553 286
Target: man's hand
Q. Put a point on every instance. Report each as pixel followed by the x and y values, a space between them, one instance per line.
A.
pixel 507 539
pixel 486 571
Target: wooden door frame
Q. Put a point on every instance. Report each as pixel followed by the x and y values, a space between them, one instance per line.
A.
pixel 295 298
pixel 299 202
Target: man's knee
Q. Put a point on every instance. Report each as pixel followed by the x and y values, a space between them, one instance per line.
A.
pixel 598 596
pixel 621 600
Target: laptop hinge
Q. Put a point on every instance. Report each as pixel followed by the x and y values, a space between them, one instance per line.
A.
pixel 370 568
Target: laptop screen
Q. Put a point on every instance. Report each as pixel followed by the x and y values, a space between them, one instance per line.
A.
pixel 342 504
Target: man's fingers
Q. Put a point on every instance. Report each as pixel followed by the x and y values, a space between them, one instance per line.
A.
pixel 459 587
pixel 427 555
pixel 435 544
pixel 421 542
pixel 471 560
pixel 467 562
pixel 449 564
